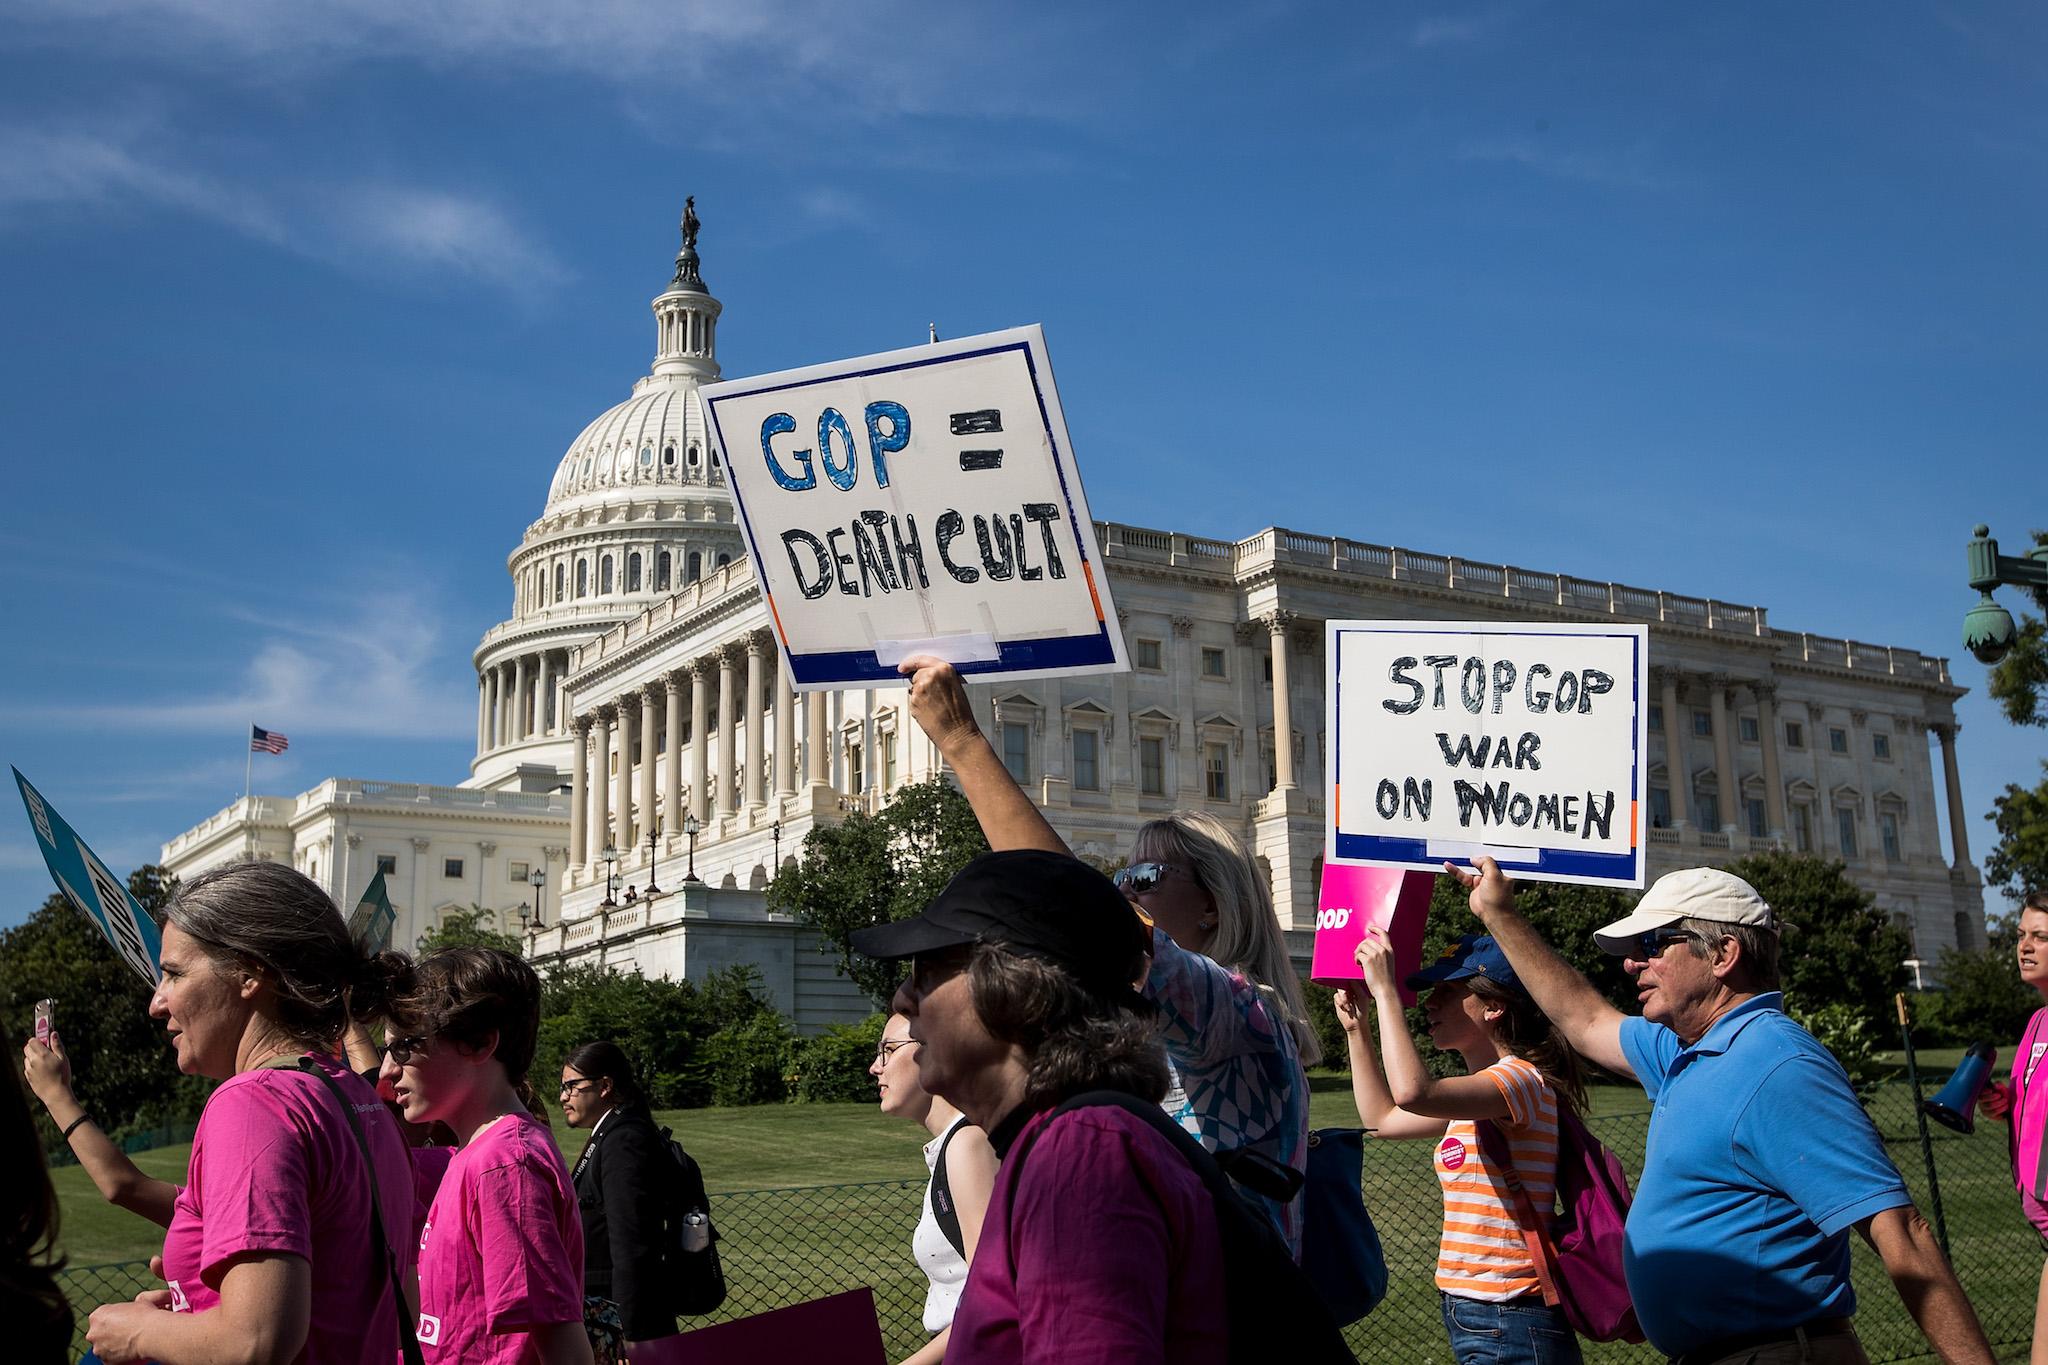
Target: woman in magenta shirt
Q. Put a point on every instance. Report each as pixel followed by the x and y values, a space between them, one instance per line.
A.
pixel 501 1255
pixel 270 1254
pixel 2023 1101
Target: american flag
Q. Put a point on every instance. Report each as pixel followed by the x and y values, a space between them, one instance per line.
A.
pixel 262 741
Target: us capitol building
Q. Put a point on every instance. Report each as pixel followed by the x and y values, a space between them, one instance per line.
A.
pixel 636 695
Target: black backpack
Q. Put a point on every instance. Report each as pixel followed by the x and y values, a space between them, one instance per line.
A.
pixel 1273 1310
pixel 696 1280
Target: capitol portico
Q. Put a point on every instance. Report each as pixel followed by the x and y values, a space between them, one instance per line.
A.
pixel 635 722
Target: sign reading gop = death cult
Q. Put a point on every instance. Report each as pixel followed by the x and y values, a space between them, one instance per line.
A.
pixel 1521 742
pixel 923 501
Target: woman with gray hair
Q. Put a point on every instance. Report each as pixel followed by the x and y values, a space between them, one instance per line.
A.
pixel 1234 1022
pixel 271 1254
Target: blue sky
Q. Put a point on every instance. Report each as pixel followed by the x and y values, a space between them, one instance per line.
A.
pixel 304 302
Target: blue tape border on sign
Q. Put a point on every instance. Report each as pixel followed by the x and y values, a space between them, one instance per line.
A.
pixel 857 665
pixel 1612 868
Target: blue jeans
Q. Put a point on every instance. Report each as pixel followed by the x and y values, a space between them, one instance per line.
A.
pixel 1524 1331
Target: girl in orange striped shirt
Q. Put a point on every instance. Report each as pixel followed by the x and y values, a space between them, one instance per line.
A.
pixel 1521 1070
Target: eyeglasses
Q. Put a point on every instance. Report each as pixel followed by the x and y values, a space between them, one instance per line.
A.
pixel 927 970
pixel 889 1049
pixel 571 1087
pixel 1650 946
pixel 403 1050
pixel 1139 878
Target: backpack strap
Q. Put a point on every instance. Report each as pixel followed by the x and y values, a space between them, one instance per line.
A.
pixel 408 1342
pixel 1535 1228
pixel 944 1211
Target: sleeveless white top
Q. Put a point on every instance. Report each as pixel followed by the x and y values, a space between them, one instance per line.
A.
pixel 943 1266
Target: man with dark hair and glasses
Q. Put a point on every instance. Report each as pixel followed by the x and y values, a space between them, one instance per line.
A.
pixel 1760 1160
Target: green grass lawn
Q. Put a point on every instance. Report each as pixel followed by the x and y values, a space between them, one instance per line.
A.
pixel 813 1199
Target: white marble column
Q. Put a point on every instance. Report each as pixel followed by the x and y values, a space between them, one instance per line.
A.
pixel 728 715
pixel 539 725
pixel 817 724
pixel 1677 777
pixel 491 708
pixel 1283 705
pixel 785 732
pixel 757 699
pixel 650 735
pixel 623 829
pixel 483 712
pixel 700 739
pixel 1767 735
pixel 1724 763
pixel 601 784
pixel 1959 839
pixel 672 772
pixel 579 794
pixel 518 728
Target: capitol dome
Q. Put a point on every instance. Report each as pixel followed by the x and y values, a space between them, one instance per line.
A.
pixel 636 509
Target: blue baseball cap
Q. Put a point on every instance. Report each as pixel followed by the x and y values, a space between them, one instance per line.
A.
pixel 1472 955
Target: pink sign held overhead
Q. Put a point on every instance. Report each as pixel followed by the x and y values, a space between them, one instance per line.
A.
pixel 1355 899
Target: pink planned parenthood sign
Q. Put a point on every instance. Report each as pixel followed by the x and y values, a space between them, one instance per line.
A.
pixel 1355 899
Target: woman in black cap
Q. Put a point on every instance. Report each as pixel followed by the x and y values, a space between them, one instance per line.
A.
pixel 1521 1069
pixel 1103 1245
pixel 1228 1000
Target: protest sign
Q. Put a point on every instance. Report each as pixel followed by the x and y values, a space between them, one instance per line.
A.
pixel 1354 899
pixel 1523 742
pixel 842 1327
pixel 85 881
pixel 918 502
pixel 370 924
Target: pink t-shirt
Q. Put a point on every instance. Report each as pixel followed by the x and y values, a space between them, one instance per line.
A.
pixel 429 1167
pixel 2030 1116
pixel 502 1251
pixel 275 1167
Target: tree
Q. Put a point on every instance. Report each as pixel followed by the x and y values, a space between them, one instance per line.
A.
pixel 875 869
pixel 1836 945
pixel 677 1035
pixel 2019 681
pixel 1982 998
pixel 471 928
pixel 2019 864
pixel 122 1064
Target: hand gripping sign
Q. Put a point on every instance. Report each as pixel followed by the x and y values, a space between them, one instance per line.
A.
pixel 1520 741
pixel 85 881
pixel 918 502
pixel 1355 899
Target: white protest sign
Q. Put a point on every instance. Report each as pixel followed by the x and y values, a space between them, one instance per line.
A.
pixel 1523 742
pixel 922 501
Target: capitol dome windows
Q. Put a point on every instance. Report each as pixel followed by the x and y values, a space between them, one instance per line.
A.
pixel 604 577
pixel 647 457
pixel 694 568
pixel 560 570
pixel 724 560
pixel 668 456
pixel 582 578
pixel 661 567
pixel 695 455
pixel 633 572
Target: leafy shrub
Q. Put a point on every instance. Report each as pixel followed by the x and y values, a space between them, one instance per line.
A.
pixel 834 1065
pixel 747 1060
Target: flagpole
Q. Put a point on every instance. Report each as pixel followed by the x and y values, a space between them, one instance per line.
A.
pixel 247 759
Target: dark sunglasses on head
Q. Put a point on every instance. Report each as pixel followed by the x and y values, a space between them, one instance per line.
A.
pixel 1139 878
pixel 403 1050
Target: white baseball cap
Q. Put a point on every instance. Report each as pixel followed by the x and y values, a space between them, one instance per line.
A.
pixel 1691 893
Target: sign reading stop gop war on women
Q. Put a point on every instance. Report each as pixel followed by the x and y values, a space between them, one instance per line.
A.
pixel 923 501
pixel 1522 742
pixel 85 881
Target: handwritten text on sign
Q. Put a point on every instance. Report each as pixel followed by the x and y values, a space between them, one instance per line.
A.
pixel 1520 741
pixel 922 501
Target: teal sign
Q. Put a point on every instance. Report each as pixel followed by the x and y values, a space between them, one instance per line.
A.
pixel 86 883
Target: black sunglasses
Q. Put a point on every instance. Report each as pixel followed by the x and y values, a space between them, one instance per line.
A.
pixel 403 1050
pixel 1647 947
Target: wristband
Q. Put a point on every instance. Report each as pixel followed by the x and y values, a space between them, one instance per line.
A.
pixel 72 1127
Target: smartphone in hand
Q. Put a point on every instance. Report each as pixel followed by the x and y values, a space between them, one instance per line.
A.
pixel 44 1010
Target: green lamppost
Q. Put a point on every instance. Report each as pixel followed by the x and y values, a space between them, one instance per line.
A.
pixel 1988 631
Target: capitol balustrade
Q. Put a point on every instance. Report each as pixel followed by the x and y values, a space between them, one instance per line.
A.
pixel 349 791
pixel 250 810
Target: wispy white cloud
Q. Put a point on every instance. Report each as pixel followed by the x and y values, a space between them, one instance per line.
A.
pixel 1630 168
pixel 373 228
pixel 370 667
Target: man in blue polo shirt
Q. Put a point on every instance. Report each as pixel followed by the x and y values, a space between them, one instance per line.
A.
pixel 1760 1159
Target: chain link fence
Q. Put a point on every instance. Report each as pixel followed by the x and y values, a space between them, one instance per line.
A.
pixel 784 1246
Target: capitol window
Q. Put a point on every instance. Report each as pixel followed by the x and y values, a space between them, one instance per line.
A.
pixel 695 568
pixel 604 576
pixel 582 578
pixel 724 560
pixel 661 571
pixel 668 456
pixel 560 571
pixel 646 457
pixel 633 573
pixel 694 455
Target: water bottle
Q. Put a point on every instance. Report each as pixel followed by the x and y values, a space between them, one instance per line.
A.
pixel 696 1230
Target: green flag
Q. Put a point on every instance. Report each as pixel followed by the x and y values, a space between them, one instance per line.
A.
pixel 370 925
